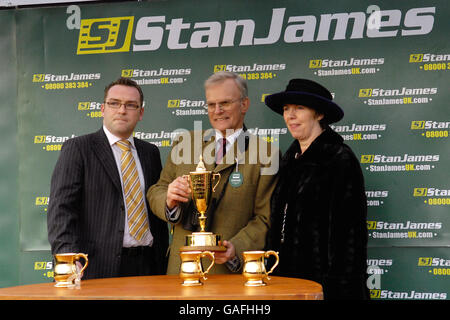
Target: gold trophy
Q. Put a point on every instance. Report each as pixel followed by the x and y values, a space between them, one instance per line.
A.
pixel 191 270
pixel 66 274
pixel 200 181
pixel 254 270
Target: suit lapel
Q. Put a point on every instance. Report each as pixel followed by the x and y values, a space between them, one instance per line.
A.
pixel 102 149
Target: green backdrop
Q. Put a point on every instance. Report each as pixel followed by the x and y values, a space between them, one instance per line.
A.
pixel 388 69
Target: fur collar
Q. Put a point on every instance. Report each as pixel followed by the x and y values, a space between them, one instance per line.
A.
pixel 321 150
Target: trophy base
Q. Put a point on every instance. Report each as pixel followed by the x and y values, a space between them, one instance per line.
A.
pixel 203 241
pixel 64 284
pixel 192 283
pixel 255 283
pixel 203 248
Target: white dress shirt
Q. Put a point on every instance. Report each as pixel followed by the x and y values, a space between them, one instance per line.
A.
pixel 230 139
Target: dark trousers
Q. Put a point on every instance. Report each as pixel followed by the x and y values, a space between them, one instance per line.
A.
pixel 136 261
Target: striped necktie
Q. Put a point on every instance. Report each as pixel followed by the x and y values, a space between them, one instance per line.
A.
pixel 137 220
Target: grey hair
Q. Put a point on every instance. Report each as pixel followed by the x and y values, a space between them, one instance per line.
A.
pixel 221 76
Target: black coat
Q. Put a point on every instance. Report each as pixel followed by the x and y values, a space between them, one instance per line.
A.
pixel 323 235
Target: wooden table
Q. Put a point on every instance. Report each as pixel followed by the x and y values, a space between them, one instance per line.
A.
pixel 168 287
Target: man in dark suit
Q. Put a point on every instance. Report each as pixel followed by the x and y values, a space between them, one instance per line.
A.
pixel 97 193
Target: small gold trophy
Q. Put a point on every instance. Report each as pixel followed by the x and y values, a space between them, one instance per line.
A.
pixel 65 273
pixel 254 270
pixel 201 190
pixel 191 269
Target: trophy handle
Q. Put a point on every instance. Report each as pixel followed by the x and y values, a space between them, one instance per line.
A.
pixel 84 256
pixel 211 256
pixel 218 180
pixel 273 253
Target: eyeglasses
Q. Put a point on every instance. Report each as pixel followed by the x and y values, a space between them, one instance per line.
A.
pixel 117 105
pixel 223 105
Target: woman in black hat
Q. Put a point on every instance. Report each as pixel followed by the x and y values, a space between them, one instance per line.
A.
pixel 319 208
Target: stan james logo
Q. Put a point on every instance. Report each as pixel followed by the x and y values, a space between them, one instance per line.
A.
pixel 417 125
pixel 430 192
pixel 415 58
pixel 51 139
pixel 84 105
pixel 38 77
pixel 42 201
pixel 363 93
pixel 428 57
pixel 173 103
pixel 220 67
pixel 185 103
pixel 138 73
pixel 329 63
pixel 48 77
pixel 313 64
pixel 408 225
pixel 250 68
pixel 420 192
pixel 425 262
pixel 127 73
pixel 367 158
pixel 105 35
pixel 377 92
pixel 114 34
pixel 433 262
pixel 378 158
pixel 89 105
pixel 429 124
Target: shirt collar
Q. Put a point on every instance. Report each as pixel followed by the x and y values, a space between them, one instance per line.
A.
pixel 112 139
pixel 231 138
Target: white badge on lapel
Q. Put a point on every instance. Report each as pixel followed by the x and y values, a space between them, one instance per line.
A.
pixel 236 179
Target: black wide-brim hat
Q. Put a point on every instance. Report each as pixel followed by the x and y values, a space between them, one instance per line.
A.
pixel 309 94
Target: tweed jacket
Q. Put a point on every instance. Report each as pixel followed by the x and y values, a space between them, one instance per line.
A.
pixel 241 215
pixel 86 210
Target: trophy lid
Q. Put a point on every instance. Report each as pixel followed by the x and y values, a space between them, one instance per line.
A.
pixel 201 165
